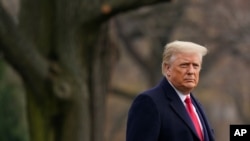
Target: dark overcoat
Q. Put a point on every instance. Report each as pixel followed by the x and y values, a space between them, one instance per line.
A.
pixel 158 114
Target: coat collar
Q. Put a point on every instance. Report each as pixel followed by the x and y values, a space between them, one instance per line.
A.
pixel 176 104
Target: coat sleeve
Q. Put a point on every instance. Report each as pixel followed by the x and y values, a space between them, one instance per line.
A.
pixel 143 122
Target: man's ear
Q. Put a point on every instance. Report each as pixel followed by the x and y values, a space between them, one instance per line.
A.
pixel 166 68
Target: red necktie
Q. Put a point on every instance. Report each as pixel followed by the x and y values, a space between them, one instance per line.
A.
pixel 193 116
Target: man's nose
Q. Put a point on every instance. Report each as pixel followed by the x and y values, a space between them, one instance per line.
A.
pixel 191 69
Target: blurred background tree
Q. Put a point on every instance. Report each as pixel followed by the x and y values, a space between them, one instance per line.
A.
pixel 13 124
pixel 62 54
pixel 79 51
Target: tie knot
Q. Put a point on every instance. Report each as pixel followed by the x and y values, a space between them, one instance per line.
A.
pixel 188 100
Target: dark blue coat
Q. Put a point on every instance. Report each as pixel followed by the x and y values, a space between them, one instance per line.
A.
pixel 159 115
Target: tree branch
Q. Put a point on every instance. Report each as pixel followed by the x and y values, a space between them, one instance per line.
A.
pixel 109 8
pixel 122 93
pixel 18 51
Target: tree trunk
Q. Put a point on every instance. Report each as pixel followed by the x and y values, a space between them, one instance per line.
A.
pixel 60 49
pixel 61 111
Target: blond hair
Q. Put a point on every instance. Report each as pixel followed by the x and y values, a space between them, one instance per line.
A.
pixel 181 47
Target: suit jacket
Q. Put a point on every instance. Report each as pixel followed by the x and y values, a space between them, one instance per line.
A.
pixel 158 114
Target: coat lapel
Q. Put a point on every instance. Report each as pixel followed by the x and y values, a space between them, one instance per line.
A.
pixel 177 105
pixel 182 113
pixel 208 135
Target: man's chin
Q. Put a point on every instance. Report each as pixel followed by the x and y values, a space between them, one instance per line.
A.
pixel 190 86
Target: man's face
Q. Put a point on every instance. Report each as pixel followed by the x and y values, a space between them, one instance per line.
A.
pixel 183 71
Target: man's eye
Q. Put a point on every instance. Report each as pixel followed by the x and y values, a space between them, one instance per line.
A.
pixel 184 65
pixel 196 66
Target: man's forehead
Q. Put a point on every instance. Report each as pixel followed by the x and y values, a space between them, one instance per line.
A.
pixel 187 58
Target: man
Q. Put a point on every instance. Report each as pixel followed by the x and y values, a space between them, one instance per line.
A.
pixel 169 111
